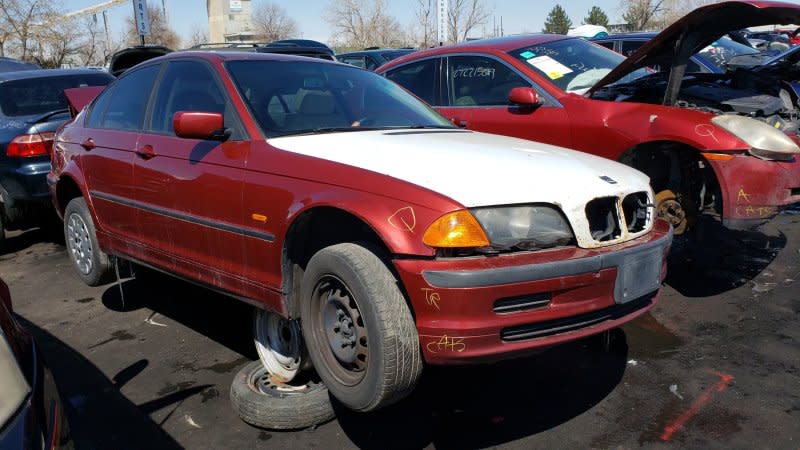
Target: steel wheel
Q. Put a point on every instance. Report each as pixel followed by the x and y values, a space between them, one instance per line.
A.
pixel 279 345
pixel 339 327
pixel 79 243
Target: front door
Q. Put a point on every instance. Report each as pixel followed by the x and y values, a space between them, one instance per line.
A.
pixel 190 190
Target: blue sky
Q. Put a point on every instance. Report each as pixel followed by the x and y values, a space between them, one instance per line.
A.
pixel 518 15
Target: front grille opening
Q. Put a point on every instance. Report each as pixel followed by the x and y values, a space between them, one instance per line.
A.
pixel 522 303
pixel 564 325
pixel 637 211
pixel 603 220
pixel 794 191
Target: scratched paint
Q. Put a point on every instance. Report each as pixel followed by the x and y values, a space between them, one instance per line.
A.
pixel 404 219
pixel 677 424
pixel 446 344
pixel 432 298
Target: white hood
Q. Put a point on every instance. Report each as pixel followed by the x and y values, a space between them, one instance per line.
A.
pixel 478 169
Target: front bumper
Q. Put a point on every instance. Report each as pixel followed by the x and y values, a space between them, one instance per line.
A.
pixel 484 309
pixel 755 190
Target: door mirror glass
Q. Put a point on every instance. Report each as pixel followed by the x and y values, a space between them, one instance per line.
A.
pixel 199 125
pixel 524 96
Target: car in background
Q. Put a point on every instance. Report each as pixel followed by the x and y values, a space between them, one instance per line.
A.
pixel 13 65
pixel 372 57
pixel 711 59
pixel 31 413
pixel 710 145
pixel 347 212
pixel 32 107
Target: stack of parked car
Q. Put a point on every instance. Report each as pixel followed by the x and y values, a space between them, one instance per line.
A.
pixel 372 220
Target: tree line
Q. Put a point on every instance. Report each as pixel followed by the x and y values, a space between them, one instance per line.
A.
pixel 38 31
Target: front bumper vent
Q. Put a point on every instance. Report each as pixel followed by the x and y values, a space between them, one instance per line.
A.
pixel 563 325
pixel 521 303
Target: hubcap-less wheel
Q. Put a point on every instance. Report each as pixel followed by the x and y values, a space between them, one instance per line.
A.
pixel 79 243
pixel 668 207
pixel 340 325
pixel 279 345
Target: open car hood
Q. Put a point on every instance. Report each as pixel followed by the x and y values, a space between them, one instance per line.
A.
pixel 77 98
pixel 131 56
pixel 698 29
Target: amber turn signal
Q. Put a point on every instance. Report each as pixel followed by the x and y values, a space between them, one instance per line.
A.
pixel 458 229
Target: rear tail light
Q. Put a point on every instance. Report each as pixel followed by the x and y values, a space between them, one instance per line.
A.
pixel 36 144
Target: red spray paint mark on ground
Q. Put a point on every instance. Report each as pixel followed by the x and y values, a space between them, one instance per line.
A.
pixel 697 405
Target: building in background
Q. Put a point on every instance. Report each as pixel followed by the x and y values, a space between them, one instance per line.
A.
pixel 230 21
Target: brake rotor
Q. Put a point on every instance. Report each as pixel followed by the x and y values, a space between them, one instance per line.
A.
pixel 668 207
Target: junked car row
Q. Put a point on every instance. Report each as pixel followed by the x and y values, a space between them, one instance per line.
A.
pixel 375 234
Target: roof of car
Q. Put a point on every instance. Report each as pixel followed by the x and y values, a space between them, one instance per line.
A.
pixel 631 35
pixel 503 44
pixel 238 56
pixel 376 50
pixel 39 73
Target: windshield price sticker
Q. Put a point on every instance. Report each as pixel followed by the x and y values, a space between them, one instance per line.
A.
pixel 549 66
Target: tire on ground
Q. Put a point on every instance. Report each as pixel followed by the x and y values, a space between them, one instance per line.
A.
pixel 265 404
pixel 394 362
pixel 100 271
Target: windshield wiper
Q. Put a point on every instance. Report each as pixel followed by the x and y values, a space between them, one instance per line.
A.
pixel 46 116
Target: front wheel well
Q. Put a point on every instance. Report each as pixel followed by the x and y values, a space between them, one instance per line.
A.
pixel 680 168
pixel 312 231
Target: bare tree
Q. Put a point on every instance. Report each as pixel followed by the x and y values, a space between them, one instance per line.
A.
pixel 160 31
pixel 363 23
pixel 198 35
pixel 58 44
pixel 642 14
pixel 22 20
pixel 425 25
pixel 464 16
pixel 675 9
pixel 272 23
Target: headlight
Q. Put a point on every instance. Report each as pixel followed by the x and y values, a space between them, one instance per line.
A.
pixel 524 227
pixel 14 388
pixel 765 141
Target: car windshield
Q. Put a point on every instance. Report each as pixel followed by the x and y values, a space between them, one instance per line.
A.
pixel 388 56
pixel 292 97
pixel 36 96
pixel 721 51
pixel 573 65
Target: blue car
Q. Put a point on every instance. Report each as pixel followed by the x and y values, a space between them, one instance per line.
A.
pixel 32 107
pixel 711 59
pixel 371 58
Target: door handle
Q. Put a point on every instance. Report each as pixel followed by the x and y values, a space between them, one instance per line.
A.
pixel 88 144
pixel 146 152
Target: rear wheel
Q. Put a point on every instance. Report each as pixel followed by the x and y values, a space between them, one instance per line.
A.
pixel 358 328
pixel 92 264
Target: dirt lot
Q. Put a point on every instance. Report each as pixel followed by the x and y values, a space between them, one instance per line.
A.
pixel 148 364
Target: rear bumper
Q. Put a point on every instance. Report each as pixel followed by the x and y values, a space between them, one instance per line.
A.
pixel 489 308
pixel 755 190
pixel 25 195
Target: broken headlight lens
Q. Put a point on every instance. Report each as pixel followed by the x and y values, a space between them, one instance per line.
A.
pixel 527 227
pixel 14 388
pixel 765 141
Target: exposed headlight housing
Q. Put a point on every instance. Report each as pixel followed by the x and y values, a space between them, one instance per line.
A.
pixel 765 141
pixel 14 388
pixel 524 227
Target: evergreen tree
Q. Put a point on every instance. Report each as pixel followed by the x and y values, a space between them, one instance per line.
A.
pixel 557 21
pixel 596 17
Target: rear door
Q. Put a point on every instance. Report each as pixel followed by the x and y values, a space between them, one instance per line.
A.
pixel 109 142
pixel 190 190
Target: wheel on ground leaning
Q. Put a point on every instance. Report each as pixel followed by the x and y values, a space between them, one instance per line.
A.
pixel 93 265
pixel 262 401
pixel 279 345
pixel 358 328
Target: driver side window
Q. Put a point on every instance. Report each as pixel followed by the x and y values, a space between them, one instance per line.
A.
pixel 480 81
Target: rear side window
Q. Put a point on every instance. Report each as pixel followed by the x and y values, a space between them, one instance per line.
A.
pixel 629 47
pixel 357 61
pixel 419 78
pixel 123 109
pixel 36 96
